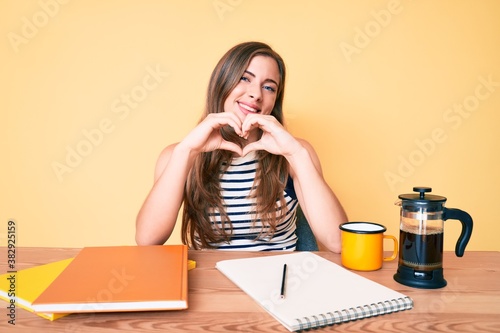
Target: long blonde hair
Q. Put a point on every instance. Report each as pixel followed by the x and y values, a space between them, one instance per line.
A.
pixel 203 191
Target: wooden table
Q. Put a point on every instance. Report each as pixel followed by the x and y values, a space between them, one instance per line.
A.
pixel 470 302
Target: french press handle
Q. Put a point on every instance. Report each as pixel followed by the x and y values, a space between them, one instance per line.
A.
pixel 466 220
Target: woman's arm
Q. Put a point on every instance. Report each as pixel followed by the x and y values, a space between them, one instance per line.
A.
pixel 158 214
pixel 318 202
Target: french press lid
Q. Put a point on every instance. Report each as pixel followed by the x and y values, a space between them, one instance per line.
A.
pixel 421 197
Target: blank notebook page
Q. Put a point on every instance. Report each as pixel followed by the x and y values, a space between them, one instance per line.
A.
pixel 317 291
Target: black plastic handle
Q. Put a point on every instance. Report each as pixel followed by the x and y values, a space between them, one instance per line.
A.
pixel 467 224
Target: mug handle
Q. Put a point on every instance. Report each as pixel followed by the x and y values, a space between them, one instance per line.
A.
pixel 395 251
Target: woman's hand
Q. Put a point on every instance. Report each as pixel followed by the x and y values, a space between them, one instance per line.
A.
pixel 320 205
pixel 206 136
pixel 275 139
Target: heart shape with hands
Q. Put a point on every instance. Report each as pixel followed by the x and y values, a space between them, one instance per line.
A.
pixel 263 132
pixel 258 132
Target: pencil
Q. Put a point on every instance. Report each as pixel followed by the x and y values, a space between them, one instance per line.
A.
pixel 283 280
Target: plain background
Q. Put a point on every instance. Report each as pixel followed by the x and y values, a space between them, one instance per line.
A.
pixel 392 94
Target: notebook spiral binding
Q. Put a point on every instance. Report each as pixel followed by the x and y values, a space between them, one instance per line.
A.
pixel 351 314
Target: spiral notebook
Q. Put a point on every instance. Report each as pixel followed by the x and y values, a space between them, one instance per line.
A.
pixel 318 292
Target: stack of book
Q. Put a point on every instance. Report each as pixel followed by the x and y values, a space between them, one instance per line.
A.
pixel 103 279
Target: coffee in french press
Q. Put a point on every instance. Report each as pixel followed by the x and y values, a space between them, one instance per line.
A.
pixel 421 238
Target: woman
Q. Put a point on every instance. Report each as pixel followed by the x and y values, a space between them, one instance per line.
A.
pixel 239 174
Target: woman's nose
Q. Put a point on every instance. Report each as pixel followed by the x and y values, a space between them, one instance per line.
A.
pixel 254 92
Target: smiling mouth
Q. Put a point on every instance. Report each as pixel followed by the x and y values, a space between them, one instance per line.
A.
pixel 248 108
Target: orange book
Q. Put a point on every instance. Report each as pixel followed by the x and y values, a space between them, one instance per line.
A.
pixel 120 278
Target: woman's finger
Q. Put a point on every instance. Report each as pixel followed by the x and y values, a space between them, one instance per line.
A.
pixel 230 146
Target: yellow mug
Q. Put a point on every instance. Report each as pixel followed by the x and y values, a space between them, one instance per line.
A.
pixel 363 245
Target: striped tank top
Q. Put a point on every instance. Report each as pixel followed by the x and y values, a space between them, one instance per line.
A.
pixel 236 184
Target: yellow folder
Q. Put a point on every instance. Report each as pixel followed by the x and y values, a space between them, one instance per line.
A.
pixel 26 285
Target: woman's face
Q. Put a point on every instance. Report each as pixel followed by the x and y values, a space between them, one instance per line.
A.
pixel 256 92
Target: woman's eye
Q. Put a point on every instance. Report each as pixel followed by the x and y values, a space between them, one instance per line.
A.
pixel 244 78
pixel 270 88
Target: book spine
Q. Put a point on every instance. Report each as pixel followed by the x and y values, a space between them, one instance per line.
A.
pixel 359 312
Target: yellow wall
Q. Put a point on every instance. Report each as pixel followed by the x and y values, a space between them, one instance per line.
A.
pixel 393 94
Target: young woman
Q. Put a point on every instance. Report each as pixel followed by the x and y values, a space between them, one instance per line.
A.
pixel 239 174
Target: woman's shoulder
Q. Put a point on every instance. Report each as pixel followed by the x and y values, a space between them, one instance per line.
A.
pixel 304 142
pixel 307 145
pixel 167 151
pixel 312 153
pixel 163 159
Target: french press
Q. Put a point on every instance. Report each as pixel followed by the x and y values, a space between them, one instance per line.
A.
pixel 421 238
